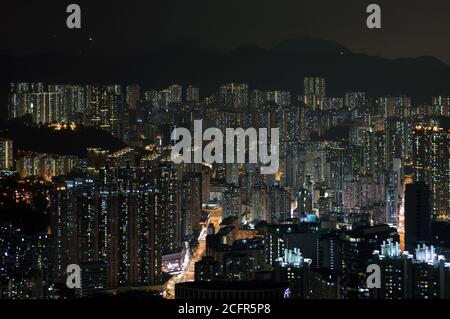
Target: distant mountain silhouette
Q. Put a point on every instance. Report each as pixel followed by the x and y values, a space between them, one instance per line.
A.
pixel 307 45
pixel 282 67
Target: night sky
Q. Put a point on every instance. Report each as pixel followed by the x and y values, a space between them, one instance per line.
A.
pixel 113 28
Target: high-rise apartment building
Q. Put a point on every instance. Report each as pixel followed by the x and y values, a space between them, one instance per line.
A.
pixel 431 165
pixel 6 154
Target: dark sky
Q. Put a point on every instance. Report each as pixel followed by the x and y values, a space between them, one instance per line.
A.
pixel 409 28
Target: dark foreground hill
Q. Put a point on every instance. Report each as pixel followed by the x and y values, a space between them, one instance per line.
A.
pixel 64 142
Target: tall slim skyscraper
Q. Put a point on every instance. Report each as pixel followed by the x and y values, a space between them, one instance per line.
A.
pixel 163 175
pixel 314 92
pixel 430 164
pixel 175 93
pixel 74 103
pixel 192 94
pixel 133 95
pixel 191 203
pixel 6 154
pixel 62 225
pixel 399 140
pixel 417 214
pixel 19 100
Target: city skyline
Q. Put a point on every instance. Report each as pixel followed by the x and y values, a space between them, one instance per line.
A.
pixel 210 151
pixel 131 216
